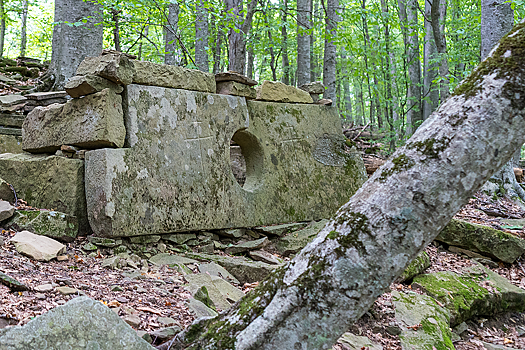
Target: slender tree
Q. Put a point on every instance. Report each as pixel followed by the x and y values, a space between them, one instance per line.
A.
pixel 330 49
pixel 430 73
pixel 237 34
pixel 414 115
pixel 284 34
pixel 201 36
pixel 23 30
pixel 303 42
pixel 2 27
pixel 173 54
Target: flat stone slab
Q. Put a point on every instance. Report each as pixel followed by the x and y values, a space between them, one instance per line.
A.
pixel 37 247
pixel 6 210
pixel 315 87
pixel 48 182
pixel 200 309
pixel 10 131
pixel 83 85
pixel 12 283
pixel 82 323
pixel 356 342
pixel 10 100
pixel 279 92
pixel 248 245
pixel 198 280
pixel 10 144
pixel 46 95
pixel 11 120
pixel 236 89
pixel 218 271
pixel 297 240
pixel 234 76
pixel 279 230
pixel 170 259
pixel 94 121
pixel 154 74
pixel 178 157
pixel 115 67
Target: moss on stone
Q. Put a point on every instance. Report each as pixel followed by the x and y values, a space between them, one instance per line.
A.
pixel 431 148
pixel 401 162
pixel 416 267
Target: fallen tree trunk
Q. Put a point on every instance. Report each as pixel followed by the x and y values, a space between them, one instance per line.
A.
pixel 400 209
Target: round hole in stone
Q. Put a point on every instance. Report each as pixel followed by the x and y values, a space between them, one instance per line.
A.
pixel 246 160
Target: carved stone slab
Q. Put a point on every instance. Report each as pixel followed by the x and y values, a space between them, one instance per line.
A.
pixel 175 174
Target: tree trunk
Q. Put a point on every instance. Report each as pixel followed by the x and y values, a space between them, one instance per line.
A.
pixel 173 54
pixel 438 17
pixel 335 279
pixel 311 40
pixel 250 63
pixel 116 28
pixel 303 42
pixel 2 27
pixel 284 34
pixel 237 37
pixel 414 115
pixel 71 44
pixel 329 63
pixel 143 35
pixel 430 91
pixel 201 36
pixel 347 110
pixel 360 103
pixel 23 30
pixel 217 51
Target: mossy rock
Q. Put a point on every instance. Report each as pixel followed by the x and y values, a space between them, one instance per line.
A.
pixel 51 224
pixel 416 267
pixel 477 238
pixel 477 291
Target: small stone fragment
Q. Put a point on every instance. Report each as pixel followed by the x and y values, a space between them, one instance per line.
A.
pixel 166 321
pixel 165 333
pixel 246 246
pixel 62 258
pixel 315 87
pixel 46 95
pixel 105 242
pixel 44 288
pixel 234 76
pixel 144 239
pixel 356 342
pixel 10 100
pixel 132 320
pixel 6 210
pixel 37 247
pixel 236 89
pixel 228 291
pixel 12 283
pixel 200 309
pixel 67 290
pixel 261 255
pixel 216 270
pixel 324 102
pixel 179 238
pixel 170 259
pixel 232 233
pixel 279 230
pixel 202 295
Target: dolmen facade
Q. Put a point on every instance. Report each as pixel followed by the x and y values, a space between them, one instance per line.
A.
pixel 144 149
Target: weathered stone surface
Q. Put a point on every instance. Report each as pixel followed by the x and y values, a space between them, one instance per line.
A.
pixel 12 283
pixel 67 290
pixel 165 333
pixel 37 247
pixel 80 324
pixel 279 92
pixel 234 76
pixel 295 241
pixel 154 74
pixel 170 259
pixel 279 230
pixel 11 143
pixel 10 131
pixel 477 291
pixel 105 242
pixel 39 96
pixel 6 210
pixel 179 238
pixel 416 267
pixel 10 100
pixel 248 245
pixel 232 232
pixel 91 122
pixel 48 182
pixel 178 158
pixel 261 255
pixel 198 280
pixel 83 85
pixel 356 342
pixel 504 246
pixel 227 290
pixel 200 309
pixel 315 87
pixel 213 269
pixel 53 224
pixel 144 239
pixel 12 120
pixel 115 67
pixel 236 89
pixel 244 270
pixel 415 309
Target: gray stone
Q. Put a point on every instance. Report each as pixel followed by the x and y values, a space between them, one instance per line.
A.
pixel 154 74
pixel 236 89
pixel 207 248
pixel 216 270
pixel 79 85
pixel 115 67
pixel 234 76
pixel 261 255
pixel 105 242
pixel 474 291
pixel 200 309
pixel 179 238
pixel 248 245
pixel 53 224
pixel 144 239
pixel 94 121
pixel 6 193
pixel 199 280
pixel 10 100
pixel 356 342
pixel 45 288
pixel 278 92
pixel 177 157
pixel 489 346
pixel 166 321
pixel 76 325
pixel 89 246
pixel 232 233
pixel 37 247
pixel 10 144
pixel 227 290
pixel 35 103
pixel 67 290
pixel 279 230
pixel 201 294
pixel 12 283
pixel 324 102
pixel 244 270
pixel 39 96
pixel 165 333
pixel 296 241
pixel 460 328
pixel 6 79
pixel 170 259
pixel 10 131
pixel 132 320
pixel 415 309
pixel 315 87
pixel 13 120
pixel 416 267
pixel 466 252
pixel 6 210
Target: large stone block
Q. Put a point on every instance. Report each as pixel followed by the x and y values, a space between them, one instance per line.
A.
pixel 94 121
pixel 116 67
pixel 154 74
pixel 176 174
pixel 279 92
pixel 49 182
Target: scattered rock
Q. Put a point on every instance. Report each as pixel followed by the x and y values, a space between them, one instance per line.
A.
pixel 501 245
pixel 67 290
pixel 315 87
pixel 200 309
pixel 248 245
pixel 295 241
pixel 105 242
pixel 416 267
pixel 89 246
pixel 53 224
pixel 489 346
pixel 39 96
pixel 62 258
pixel 10 100
pixel 6 193
pixel 144 239
pixel 202 295
pixel 6 210
pixel 228 291
pixel 37 247
pixel 468 253
pixel 164 334
pixel 166 321
pixel 356 342
pixel 234 76
pixel 132 320
pixel 179 238
pixel 261 255
pixel 68 326
pixel 208 248
pixel 170 259
pixel 12 283
pixel 216 270
pixel 232 233
pixel 199 280
pixel 115 67
pixel 324 102
pixel 79 86
pixel 279 230
pixel 45 288
pixel 279 92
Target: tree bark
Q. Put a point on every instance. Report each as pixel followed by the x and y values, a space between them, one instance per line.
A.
pixel 116 29
pixel 303 42
pixel 201 36
pixel 430 90
pixel 438 17
pixel 347 110
pixel 334 280
pixel 237 38
pixel 311 40
pixel 71 44
pixel 173 54
pixel 250 63
pixel 329 63
pixel 218 44
pixel 23 30
pixel 284 34
pixel 414 115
